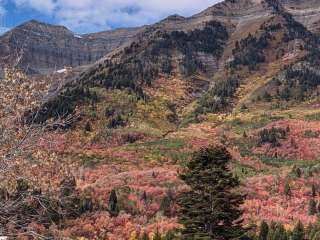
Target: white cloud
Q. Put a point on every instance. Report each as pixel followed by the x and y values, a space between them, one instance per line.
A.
pixel 3 11
pixel 44 6
pixel 3 30
pixel 93 15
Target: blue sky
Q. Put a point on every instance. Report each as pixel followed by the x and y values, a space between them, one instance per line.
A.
pixel 85 16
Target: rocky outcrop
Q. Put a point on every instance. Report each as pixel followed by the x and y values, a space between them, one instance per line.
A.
pixel 306 12
pixel 41 48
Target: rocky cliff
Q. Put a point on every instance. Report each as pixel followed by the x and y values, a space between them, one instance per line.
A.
pixel 41 48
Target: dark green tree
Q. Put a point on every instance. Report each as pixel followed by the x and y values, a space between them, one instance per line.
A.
pixel 22 185
pixel 166 206
pixel 280 233
pixel 145 236
pixel 113 204
pixel 298 232
pixel 287 189
pixel 88 127
pixel 313 191
pixel 210 209
pixel 312 207
pixel 169 236
pixel 167 203
pixel 157 235
pixel 296 170
pixel 264 230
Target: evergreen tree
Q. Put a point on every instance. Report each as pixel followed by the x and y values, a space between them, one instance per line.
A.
pixel 88 127
pixel 145 236
pixel 312 207
pixel 264 230
pixel 144 197
pixel 113 204
pixel 272 230
pixel 297 172
pixel 280 233
pixel 166 205
pixel 157 235
pixel 169 236
pixel 210 210
pixel 287 189
pixel 298 232
pixel 313 191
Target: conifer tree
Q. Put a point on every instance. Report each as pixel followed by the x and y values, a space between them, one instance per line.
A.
pixel 145 236
pixel 157 235
pixel 312 207
pixel 280 233
pixel 210 209
pixel 88 127
pixel 264 230
pixel 165 206
pixel 298 232
pixel 272 230
pixel 113 204
pixel 287 189
pixel 169 236
pixel 296 170
pixel 313 191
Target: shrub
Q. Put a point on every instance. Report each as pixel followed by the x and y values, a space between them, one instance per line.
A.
pixel 273 136
pixel 311 134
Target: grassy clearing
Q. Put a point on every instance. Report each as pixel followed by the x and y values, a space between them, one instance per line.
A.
pixel 284 162
pixel 244 171
pixel 161 151
pixel 313 117
pixel 246 123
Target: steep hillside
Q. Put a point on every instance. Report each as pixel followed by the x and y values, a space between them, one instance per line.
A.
pixel 306 12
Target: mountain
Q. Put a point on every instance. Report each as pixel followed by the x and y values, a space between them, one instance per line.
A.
pixel 41 48
pixel 110 137
pixel 197 49
pixel 59 47
pixel 306 12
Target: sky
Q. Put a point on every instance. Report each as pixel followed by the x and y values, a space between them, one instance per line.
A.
pixel 84 16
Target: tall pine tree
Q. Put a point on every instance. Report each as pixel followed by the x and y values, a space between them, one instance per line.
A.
pixel 264 230
pixel 298 232
pixel 113 204
pixel 210 209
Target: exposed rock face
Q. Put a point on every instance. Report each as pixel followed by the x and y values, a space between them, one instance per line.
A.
pixel 40 48
pixel 306 12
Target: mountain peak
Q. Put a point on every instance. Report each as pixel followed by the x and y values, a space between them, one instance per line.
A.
pixel 44 27
pixel 174 17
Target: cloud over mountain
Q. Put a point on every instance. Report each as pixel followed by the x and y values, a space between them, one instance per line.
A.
pixel 92 15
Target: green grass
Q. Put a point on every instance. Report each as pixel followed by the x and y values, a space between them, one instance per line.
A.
pixel 239 125
pixel 313 117
pixel 90 161
pixel 283 162
pixel 244 171
pixel 162 150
